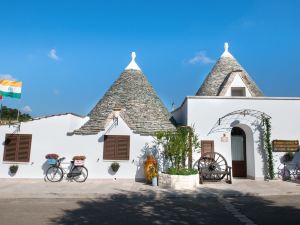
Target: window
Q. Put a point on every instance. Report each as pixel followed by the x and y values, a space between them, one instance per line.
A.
pixel 238 91
pixel 17 147
pixel 116 147
pixel 207 146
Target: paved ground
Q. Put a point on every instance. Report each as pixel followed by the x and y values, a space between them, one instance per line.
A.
pixel 130 209
pixel 24 202
pixel 275 210
pixel 37 188
pixel 135 209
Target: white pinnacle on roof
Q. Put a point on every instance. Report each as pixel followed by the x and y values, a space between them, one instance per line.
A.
pixel 132 65
pixel 226 53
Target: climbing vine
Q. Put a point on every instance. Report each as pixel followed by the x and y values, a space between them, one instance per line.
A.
pixel 268 146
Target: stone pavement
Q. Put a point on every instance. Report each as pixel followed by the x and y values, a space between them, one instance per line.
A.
pixel 92 188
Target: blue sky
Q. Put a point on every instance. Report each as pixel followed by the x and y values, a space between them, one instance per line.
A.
pixel 68 53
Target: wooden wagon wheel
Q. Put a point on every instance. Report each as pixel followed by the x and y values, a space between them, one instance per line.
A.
pixel 212 162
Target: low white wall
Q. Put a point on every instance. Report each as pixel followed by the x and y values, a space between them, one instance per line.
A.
pixel 49 135
pixel 204 112
pixel 178 182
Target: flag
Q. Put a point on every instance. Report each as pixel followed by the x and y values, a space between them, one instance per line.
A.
pixel 0 97
pixel 10 88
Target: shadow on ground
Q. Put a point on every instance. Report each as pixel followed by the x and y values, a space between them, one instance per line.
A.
pixel 148 208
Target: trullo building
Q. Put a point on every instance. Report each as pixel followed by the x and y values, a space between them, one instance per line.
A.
pixel 228 113
pixel 118 129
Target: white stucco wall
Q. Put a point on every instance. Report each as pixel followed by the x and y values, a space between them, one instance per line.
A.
pixel 181 114
pixel 204 112
pixel 49 135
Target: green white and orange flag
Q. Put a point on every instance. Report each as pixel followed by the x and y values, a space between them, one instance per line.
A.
pixel 10 88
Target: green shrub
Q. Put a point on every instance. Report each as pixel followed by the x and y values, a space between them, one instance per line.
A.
pixel 181 171
pixel 177 146
pixel 115 166
pixel 13 169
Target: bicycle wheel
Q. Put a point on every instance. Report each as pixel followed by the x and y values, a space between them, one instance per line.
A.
pixel 284 174
pixel 54 174
pixel 297 172
pixel 83 174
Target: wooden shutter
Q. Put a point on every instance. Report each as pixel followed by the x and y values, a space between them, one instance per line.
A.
pixel 23 154
pixel 17 147
pixel 116 147
pixel 122 151
pixel 10 147
pixel 109 147
pixel 207 146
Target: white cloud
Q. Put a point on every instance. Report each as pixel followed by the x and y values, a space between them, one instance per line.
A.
pixel 202 58
pixel 56 92
pixel 7 76
pixel 26 109
pixel 53 55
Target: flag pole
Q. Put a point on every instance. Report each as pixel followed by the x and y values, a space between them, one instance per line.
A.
pixel 1 113
pixel 1 110
pixel 18 115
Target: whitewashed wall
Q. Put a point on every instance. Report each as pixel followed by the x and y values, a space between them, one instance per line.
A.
pixel 237 82
pixel 204 112
pixel 49 135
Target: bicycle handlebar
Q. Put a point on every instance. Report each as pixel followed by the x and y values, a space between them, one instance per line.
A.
pixel 62 159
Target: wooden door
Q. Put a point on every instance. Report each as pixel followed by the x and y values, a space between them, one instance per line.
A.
pixel 238 153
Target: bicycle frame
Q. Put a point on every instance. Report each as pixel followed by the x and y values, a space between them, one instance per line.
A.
pixel 68 170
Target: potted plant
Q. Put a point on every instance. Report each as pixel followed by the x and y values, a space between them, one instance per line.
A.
pixel 13 169
pixel 115 166
pixel 149 164
pixel 51 156
pixel 153 175
pixel 177 148
pixel 79 157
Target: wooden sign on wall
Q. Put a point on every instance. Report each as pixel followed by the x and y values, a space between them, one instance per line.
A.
pixel 285 145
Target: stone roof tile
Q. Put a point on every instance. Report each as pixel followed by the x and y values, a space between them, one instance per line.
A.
pixel 141 108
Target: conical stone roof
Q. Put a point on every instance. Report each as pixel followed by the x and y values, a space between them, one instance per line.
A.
pixel 217 79
pixel 139 105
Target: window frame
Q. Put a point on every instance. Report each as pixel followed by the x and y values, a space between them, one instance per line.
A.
pixel 116 147
pixel 17 148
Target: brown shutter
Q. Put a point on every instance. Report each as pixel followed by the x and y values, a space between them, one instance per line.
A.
pixel 17 147
pixel 116 147
pixel 122 152
pixel 109 147
pixel 10 147
pixel 207 146
pixel 23 154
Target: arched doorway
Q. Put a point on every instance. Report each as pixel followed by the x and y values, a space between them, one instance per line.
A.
pixel 238 152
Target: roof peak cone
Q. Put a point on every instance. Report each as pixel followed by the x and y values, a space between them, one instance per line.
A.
pixel 132 65
pixel 134 100
pixel 226 53
pixel 223 72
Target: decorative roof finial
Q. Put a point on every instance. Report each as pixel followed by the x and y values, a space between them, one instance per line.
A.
pixel 132 65
pixel 226 46
pixel 133 55
pixel 226 53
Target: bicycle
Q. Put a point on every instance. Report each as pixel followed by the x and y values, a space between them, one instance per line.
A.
pixel 55 173
pixel 285 173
